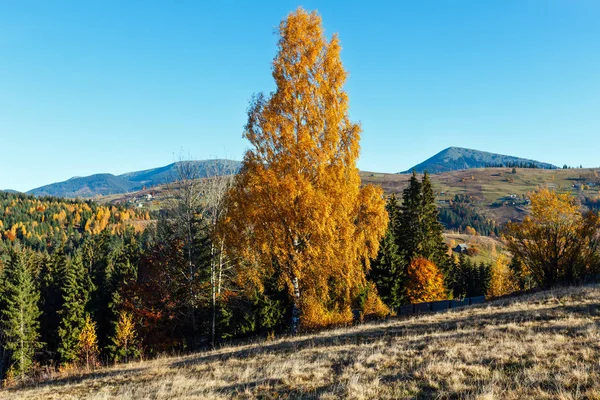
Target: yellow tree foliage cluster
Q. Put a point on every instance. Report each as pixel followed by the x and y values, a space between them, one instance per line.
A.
pixel 425 282
pixel 470 231
pixel 297 211
pixel 88 343
pixel 125 336
pixel 374 306
pixel 502 279
pixel 557 242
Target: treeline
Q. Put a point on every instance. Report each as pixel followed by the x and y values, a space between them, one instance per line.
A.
pixel 44 223
pixel 461 214
pixel 517 164
pixel 59 306
pixel 121 294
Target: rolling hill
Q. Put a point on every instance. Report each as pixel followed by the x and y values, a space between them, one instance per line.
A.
pixel 107 184
pixel 535 346
pixel 491 190
pixel 458 158
pixel 451 159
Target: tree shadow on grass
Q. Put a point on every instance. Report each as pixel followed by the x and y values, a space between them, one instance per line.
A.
pixel 75 379
pixel 404 328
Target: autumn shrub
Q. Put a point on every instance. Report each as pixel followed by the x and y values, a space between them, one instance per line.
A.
pixel 425 282
pixel 472 251
pixel 316 315
pixel 503 280
pixel 88 344
pixel 372 306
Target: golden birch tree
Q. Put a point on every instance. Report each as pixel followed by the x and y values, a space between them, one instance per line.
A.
pixel 88 343
pixel 558 243
pixel 297 211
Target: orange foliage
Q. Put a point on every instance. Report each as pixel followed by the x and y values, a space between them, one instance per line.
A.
pixel 425 282
pixel 297 210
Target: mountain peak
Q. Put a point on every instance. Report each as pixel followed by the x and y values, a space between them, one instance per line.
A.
pixel 457 158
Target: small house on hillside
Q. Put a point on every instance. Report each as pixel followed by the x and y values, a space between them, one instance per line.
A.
pixel 461 248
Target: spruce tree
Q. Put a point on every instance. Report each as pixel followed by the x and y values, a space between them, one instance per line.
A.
pixel 433 246
pixel 409 232
pixel 394 210
pixel 50 278
pixel 75 295
pixel 387 271
pixel 419 230
pixel 20 315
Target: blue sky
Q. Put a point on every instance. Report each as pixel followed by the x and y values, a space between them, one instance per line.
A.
pixel 115 86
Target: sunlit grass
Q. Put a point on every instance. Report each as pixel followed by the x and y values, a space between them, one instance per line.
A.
pixel 545 345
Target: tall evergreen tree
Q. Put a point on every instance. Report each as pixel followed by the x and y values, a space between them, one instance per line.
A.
pixel 433 246
pixel 394 210
pixel 51 280
pixel 20 315
pixel 419 230
pixel 388 269
pixel 387 272
pixel 75 295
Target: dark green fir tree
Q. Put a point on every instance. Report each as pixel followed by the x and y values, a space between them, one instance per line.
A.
pixel 75 294
pixel 20 322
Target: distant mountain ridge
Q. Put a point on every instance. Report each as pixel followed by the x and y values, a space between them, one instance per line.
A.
pixel 105 184
pixel 458 158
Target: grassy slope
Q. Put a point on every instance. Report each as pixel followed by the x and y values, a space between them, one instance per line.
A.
pixel 539 346
pixel 486 184
pixel 492 184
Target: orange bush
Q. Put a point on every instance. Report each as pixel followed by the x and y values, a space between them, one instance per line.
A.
pixel 425 282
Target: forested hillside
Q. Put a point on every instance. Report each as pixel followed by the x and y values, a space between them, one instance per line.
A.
pixel 47 223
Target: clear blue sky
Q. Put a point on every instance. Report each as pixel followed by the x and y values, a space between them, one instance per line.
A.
pixel 115 86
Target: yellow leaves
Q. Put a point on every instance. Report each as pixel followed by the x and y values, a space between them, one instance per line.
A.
pixel 125 331
pixel 373 306
pixel 125 335
pixel 88 343
pixel 502 280
pixel 297 209
pixel 550 207
pixel 60 217
pixel 425 282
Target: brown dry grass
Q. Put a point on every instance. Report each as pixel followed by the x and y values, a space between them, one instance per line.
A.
pixel 545 345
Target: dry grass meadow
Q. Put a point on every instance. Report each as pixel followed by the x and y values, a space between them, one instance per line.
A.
pixel 545 345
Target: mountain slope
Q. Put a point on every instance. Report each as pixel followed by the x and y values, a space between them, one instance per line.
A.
pixel 105 184
pixel 457 158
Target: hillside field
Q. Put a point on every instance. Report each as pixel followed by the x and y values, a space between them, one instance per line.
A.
pixel 545 345
pixel 493 185
pixel 485 185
